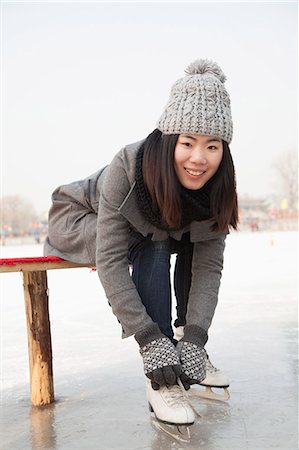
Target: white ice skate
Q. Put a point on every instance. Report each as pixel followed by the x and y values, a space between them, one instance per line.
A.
pixel 214 378
pixel 169 405
pixel 173 413
pixel 179 333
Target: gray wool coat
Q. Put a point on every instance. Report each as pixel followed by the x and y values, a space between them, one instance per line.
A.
pixel 90 221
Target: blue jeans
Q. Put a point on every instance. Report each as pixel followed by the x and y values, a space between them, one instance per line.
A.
pixel 151 276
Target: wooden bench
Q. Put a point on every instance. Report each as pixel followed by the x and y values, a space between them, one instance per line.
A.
pixel 36 297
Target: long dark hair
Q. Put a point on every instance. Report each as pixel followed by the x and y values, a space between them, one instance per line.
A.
pixel 163 185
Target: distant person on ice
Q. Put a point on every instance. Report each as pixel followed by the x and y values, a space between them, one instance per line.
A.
pixel 171 193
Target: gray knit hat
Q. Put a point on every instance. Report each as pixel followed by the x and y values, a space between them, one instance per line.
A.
pixel 199 103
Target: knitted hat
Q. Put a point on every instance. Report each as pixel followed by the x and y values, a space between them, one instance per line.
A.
pixel 199 103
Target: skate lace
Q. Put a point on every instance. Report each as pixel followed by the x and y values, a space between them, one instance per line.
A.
pixel 209 366
pixel 175 396
pixel 185 394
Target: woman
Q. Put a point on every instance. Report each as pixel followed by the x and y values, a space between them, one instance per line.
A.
pixel 173 192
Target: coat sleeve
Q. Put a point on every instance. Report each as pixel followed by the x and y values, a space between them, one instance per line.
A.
pixel 112 252
pixel 207 267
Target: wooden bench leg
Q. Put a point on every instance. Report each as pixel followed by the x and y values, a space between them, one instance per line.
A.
pixel 39 337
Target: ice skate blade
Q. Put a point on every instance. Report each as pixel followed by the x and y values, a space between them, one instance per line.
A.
pixel 209 394
pixel 181 433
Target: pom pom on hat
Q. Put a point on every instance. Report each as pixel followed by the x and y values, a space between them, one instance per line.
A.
pixel 202 66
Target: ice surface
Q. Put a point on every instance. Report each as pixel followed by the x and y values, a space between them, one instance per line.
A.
pixel 99 382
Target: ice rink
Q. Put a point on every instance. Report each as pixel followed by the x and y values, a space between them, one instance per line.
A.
pixel 99 382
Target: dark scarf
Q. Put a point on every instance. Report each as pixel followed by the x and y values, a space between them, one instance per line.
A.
pixel 195 204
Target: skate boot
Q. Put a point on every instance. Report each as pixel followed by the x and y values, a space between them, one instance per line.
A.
pixel 169 405
pixel 214 379
pixel 179 333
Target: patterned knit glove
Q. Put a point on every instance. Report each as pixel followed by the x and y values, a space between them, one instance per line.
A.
pixel 160 358
pixel 192 354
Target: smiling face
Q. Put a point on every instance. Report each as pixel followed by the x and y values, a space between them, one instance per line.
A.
pixel 196 159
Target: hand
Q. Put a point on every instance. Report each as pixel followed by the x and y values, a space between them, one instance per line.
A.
pixel 161 362
pixel 192 355
pixel 192 360
pixel 160 358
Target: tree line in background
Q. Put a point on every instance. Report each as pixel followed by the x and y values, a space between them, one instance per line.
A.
pixel 286 168
pixel 18 216
pixel 278 211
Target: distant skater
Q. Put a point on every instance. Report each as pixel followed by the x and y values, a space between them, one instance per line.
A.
pixel 174 192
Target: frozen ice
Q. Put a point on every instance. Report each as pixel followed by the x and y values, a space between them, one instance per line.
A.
pixel 99 382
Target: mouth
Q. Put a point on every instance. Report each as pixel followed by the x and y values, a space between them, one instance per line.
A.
pixel 194 173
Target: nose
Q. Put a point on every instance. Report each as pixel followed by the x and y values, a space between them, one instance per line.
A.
pixel 198 156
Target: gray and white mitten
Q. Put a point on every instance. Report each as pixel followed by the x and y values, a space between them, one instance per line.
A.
pixel 160 358
pixel 192 355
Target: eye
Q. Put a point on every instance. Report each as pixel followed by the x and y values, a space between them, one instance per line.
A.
pixel 212 147
pixel 187 144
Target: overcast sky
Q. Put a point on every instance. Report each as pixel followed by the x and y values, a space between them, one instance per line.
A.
pixel 82 79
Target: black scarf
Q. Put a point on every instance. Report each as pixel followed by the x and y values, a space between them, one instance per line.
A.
pixel 195 204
